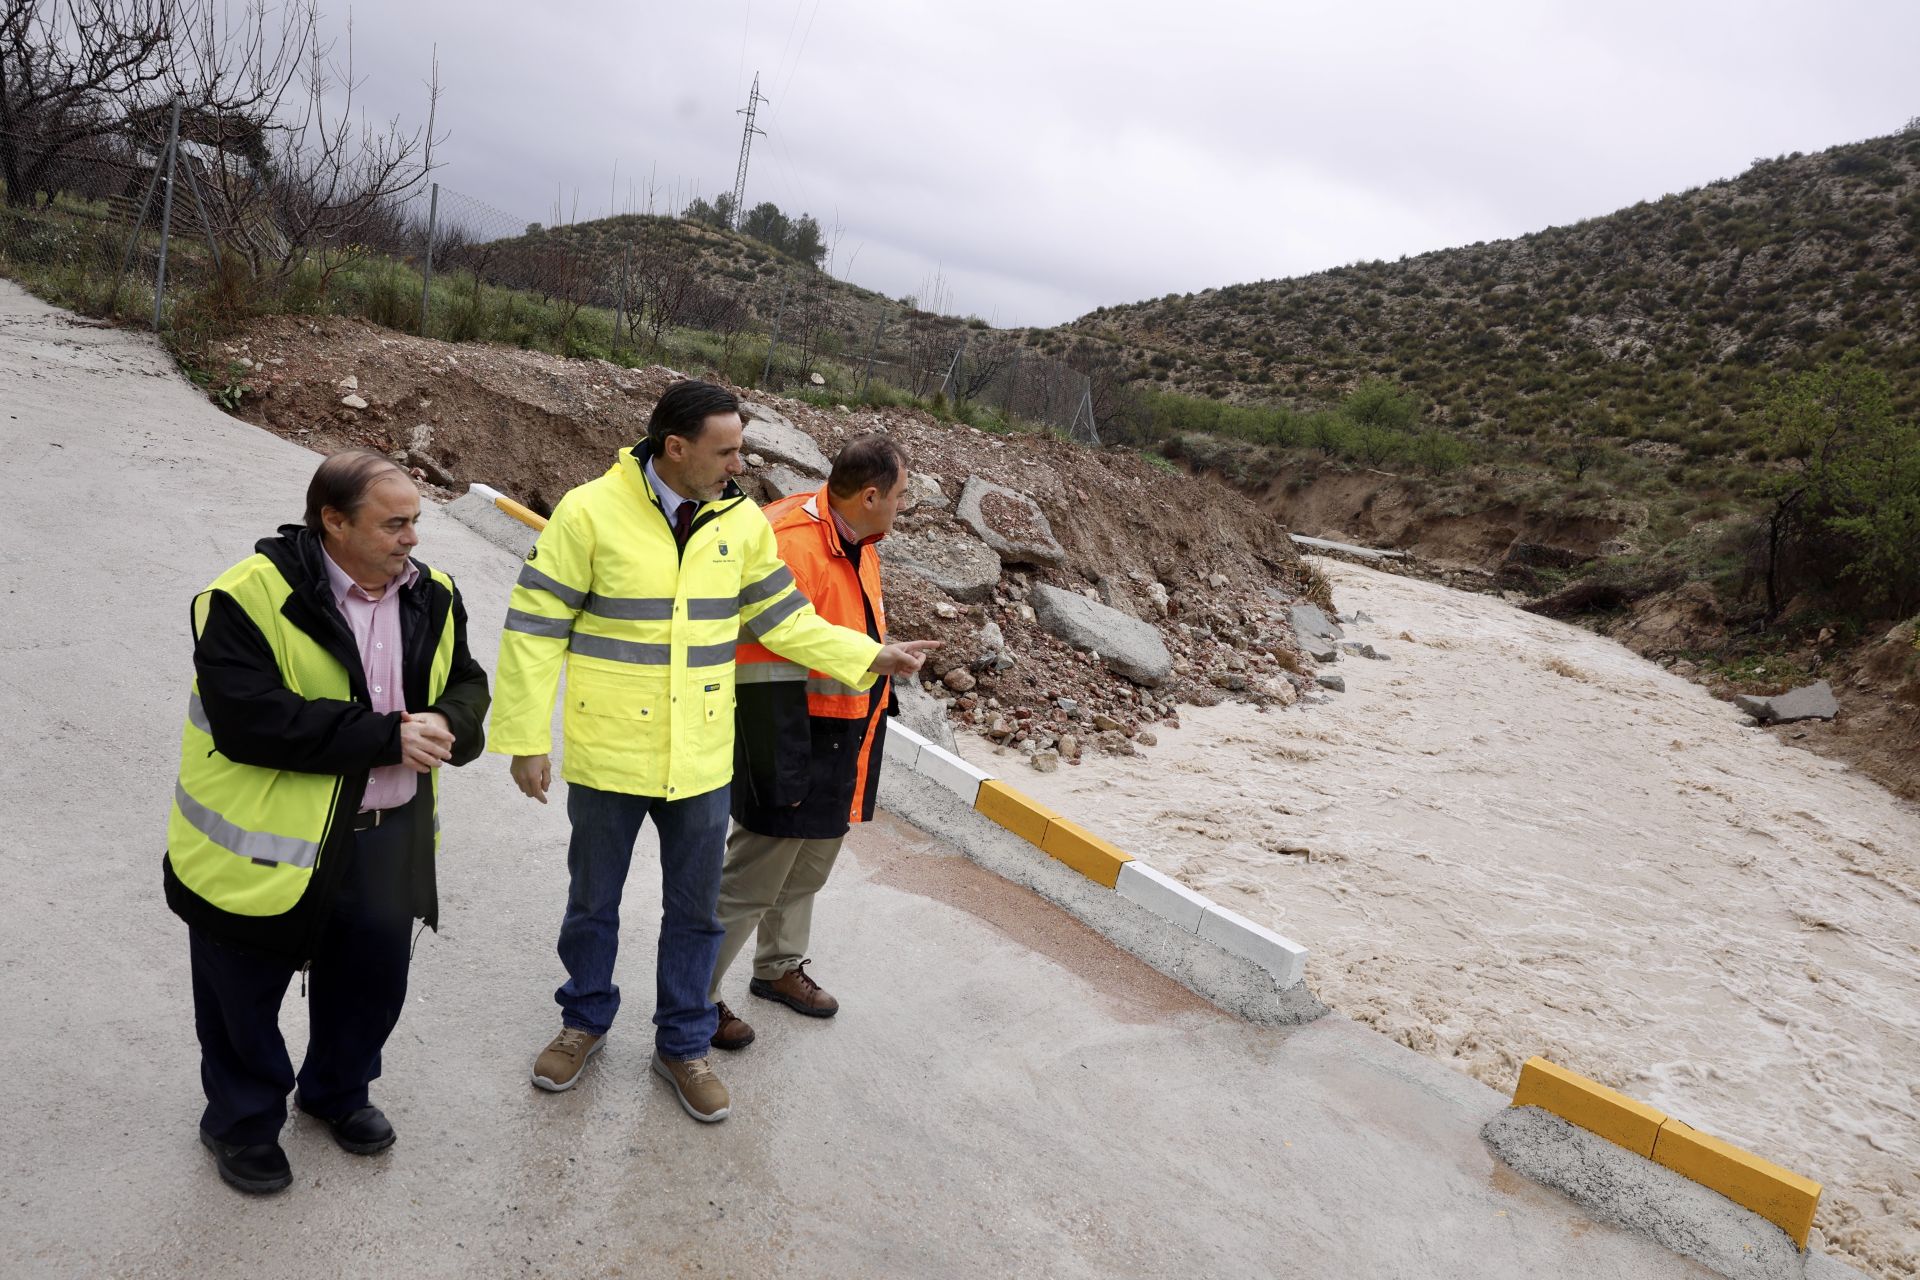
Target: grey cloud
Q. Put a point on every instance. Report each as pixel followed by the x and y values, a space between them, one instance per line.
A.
pixel 1058 157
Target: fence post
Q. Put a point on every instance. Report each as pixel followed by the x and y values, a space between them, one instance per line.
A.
pixel 620 307
pixel 166 216
pixel 773 340
pixel 206 216
pixel 866 375
pixel 953 366
pixel 1084 402
pixel 133 237
pixel 426 275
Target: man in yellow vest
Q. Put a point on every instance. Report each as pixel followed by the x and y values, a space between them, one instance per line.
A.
pixel 331 682
pixel 807 750
pixel 641 585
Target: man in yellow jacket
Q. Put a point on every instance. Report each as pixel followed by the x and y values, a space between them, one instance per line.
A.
pixel 641 585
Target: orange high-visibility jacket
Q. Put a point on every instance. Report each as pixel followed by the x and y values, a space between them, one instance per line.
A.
pixel 807 748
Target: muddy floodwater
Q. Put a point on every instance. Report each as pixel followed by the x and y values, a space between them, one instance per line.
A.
pixel 1515 837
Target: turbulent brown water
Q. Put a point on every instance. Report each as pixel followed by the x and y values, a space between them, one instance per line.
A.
pixel 1516 837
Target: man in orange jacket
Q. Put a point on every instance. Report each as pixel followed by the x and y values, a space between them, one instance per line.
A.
pixel 807 749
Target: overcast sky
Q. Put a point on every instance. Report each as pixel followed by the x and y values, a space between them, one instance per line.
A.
pixel 1047 158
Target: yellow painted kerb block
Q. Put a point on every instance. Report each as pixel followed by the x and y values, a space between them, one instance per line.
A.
pixel 1785 1199
pixel 1022 815
pixel 1592 1106
pixel 1084 851
pixel 520 513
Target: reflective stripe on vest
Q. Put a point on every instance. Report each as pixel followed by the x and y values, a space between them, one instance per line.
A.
pixel 259 846
pixel 807 537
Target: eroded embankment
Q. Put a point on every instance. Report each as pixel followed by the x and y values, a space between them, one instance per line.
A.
pixel 1516 837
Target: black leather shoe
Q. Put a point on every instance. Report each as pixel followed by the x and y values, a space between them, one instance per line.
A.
pixel 260 1169
pixel 364 1132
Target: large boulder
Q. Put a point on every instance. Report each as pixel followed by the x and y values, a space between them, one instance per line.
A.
pixel 772 434
pixel 1813 702
pixel 1317 634
pixel 961 566
pixel 782 481
pixel 1009 522
pixel 924 491
pixel 925 714
pixel 1129 646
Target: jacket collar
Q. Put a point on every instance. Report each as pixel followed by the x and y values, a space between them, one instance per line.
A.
pixel 819 508
pixel 296 552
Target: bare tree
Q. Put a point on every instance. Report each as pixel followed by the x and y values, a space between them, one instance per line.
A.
pixel 667 279
pixel 331 179
pixel 73 72
pixel 981 367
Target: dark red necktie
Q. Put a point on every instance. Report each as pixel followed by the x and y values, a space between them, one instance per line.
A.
pixel 683 522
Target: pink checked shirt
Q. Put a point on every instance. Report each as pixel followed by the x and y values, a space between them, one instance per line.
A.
pixel 376 632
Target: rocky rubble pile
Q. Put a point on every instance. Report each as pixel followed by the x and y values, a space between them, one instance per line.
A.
pixel 1083 595
pixel 1052 653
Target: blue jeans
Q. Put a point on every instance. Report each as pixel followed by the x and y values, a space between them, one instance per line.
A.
pixel 693 844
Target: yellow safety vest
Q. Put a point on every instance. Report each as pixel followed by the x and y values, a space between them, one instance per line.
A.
pixel 647 635
pixel 245 838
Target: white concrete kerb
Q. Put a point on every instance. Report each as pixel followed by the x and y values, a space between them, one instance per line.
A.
pixel 1165 897
pixel 937 764
pixel 1162 895
pixel 1282 957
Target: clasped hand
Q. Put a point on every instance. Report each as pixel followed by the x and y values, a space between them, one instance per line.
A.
pixel 426 740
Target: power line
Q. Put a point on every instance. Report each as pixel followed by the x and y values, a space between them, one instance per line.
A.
pixel 746 21
pixel 801 52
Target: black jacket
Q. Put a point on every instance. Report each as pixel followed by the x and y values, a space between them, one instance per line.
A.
pixel 257 720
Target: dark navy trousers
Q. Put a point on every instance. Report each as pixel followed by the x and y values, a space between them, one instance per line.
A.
pixel 356 987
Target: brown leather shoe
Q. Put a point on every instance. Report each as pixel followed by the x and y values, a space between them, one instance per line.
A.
pixel 797 991
pixel 559 1065
pixel 701 1094
pixel 733 1034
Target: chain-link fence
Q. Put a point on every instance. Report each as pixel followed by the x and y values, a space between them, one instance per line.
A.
pixel 136 223
pixel 100 222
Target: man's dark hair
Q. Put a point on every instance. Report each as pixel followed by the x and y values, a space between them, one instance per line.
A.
pixel 342 482
pixel 870 460
pixel 685 408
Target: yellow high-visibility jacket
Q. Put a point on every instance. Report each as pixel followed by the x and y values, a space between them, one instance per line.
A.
pixel 647 633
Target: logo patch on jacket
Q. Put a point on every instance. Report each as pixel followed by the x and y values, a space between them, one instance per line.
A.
pixel 723 548
pixel 532 552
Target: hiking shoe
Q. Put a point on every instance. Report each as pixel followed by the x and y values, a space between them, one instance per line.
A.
pixel 558 1067
pixel 732 1034
pixel 258 1169
pixel 797 991
pixel 699 1090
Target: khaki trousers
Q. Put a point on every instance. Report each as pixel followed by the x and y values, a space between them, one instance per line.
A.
pixel 767 884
